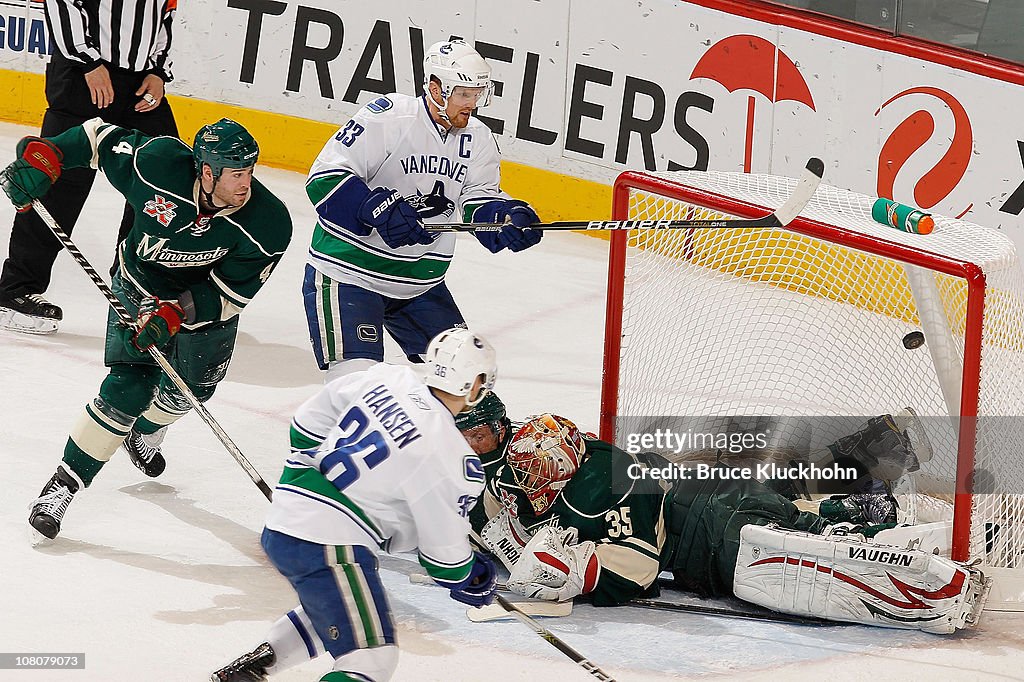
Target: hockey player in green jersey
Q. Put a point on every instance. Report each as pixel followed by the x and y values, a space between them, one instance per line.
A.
pixel 573 515
pixel 206 237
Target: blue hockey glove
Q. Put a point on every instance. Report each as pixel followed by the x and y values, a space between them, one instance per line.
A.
pixel 395 220
pixel 479 588
pixel 516 236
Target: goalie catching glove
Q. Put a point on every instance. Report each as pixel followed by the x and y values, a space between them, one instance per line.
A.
pixel 33 173
pixel 554 567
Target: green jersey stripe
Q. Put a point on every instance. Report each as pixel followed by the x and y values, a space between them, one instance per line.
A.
pixel 450 574
pixel 312 480
pixel 301 441
pixel 321 187
pixel 423 269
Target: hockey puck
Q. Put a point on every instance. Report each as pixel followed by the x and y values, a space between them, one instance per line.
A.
pixel 913 340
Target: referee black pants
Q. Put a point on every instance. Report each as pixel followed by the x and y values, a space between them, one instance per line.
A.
pixel 33 247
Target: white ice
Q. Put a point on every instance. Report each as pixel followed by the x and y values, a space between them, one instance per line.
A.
pixel 165 580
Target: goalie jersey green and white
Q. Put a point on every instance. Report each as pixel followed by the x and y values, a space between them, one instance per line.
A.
pixel 376 461
pixel 393 142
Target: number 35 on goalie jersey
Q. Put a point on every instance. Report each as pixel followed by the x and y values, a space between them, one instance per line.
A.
pixel 377 461
pixel 624 518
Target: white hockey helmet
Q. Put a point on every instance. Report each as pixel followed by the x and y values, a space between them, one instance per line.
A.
pixel 455 358
pixel 455 63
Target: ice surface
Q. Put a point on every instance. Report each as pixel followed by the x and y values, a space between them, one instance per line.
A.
pixel 163 579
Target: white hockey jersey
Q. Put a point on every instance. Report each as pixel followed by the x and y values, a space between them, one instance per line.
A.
pixel 377 461
pixel 393 142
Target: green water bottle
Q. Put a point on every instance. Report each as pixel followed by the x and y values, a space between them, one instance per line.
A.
pixel 906 218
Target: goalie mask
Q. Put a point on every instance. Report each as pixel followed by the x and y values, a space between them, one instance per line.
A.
pixel 455 358
pixel 543 455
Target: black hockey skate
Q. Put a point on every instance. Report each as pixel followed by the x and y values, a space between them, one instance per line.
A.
pixel 29 313
pixel 48 509
pixel 252 667
pixel 144 450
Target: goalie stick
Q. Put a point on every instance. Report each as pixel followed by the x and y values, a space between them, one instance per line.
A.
pixel 547 609
pixel 546 635
pixel 783 215
pixel 127 319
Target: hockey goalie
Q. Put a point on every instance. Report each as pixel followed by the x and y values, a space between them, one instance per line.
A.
pixel 570 515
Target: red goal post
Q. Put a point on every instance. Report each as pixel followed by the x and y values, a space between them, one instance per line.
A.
pixel 807 320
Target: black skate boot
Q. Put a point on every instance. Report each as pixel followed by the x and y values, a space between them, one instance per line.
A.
pixel 49 507
pixel 29 313
pixel 144 450
pixel 252 667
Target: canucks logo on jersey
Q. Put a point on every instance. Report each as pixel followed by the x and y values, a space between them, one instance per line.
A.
pixel 433 204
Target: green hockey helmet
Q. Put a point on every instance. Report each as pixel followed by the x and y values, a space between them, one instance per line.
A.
pixel 224 144
pixel 490 411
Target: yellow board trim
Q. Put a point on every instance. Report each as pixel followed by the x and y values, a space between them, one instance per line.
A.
pixel 292 143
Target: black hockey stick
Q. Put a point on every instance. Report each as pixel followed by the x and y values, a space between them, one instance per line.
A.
pixel 547 635
pixel 783 215
pixel 129 321
pixel 764 616
pixel 748 612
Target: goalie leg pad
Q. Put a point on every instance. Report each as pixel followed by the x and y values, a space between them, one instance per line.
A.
pixel 848 579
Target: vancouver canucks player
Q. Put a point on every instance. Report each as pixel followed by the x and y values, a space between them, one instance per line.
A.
pixel 399 163
pixel 206 237
pixel 376 464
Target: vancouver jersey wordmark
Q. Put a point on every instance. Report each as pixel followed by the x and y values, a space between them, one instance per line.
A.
pixel 393 142
pixel 376 461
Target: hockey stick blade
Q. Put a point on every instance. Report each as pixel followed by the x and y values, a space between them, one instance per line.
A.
pixel 534 609
pixel 797 201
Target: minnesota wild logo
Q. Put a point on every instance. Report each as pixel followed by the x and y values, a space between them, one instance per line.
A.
pixel 161 209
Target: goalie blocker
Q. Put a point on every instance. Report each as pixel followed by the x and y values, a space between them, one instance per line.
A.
pixel 843 577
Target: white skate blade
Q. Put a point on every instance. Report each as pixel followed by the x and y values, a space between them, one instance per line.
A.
pixel 26 324
pixel 37 539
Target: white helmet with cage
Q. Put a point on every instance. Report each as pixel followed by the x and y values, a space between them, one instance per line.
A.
pixel 454 63
pixel 455 358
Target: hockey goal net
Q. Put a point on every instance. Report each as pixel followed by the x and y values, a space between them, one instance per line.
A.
pixel 810 321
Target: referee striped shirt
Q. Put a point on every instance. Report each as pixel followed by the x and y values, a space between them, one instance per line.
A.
pixel 130 34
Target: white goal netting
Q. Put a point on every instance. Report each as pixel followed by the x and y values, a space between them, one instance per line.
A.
pixel 810 321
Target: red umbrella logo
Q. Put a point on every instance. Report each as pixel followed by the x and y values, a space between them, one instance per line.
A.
pixel 746 62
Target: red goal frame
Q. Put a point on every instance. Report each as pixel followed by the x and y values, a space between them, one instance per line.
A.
pixel 970 272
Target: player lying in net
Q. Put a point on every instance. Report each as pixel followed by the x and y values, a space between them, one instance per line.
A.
pixel 567 519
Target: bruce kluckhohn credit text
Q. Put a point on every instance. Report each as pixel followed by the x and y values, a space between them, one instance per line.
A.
pixel 667 441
